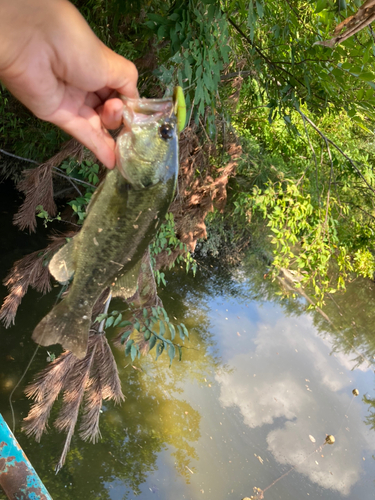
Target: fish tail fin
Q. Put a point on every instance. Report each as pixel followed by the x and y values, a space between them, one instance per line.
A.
pixel 66 326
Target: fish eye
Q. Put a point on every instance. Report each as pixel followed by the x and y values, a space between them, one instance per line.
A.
pixel 166 131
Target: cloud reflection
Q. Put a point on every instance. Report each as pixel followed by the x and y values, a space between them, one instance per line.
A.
pixel 291 375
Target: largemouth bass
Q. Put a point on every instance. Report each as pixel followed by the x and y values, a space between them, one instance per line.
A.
pixel 124 214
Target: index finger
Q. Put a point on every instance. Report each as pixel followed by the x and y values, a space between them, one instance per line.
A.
pixel 122 75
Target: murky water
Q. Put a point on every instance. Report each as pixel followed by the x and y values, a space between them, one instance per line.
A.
pixel 261 384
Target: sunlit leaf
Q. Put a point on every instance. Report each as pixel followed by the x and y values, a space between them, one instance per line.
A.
pixel 171 353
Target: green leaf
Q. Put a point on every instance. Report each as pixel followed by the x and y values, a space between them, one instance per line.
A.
pixel 125 323
pixel 109 322
pixel 259 8
pixel 101 317
pixel 180 332
pixel 172 330
pixel 134 351
pixel 251 20
pixel 320 5
pixel 117 320
pixel 159 349
pixel 367 76
pixel 360 94
pixel 128 347
pixel 152 342
pixel 346 65
pixel 161 328
pixel 186 332
pixel 171 353
pixel 125 335
pixel 187 70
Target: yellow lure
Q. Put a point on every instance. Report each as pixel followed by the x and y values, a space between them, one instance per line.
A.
pixel 179 108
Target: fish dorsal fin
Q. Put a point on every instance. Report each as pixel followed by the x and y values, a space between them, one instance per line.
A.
pixel 125 286
pixel 62 265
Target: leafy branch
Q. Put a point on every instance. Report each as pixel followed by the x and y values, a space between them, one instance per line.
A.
pixel 167 241
pixel 271 64
pixel 147 329
pixel 327 140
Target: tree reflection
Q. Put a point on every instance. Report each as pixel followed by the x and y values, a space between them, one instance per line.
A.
pixel 154 418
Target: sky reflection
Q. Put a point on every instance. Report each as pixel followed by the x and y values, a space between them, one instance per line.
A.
pixel 286 378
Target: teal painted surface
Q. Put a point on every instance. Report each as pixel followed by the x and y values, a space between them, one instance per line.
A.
pixel 17 476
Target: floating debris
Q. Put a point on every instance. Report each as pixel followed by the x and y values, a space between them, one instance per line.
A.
pixel 355 392
pixel 258 494
pixel 330 439
pixel 312 439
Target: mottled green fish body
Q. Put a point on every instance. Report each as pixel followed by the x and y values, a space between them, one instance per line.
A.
pixel 123 217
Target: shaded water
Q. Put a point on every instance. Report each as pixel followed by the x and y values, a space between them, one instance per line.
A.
pixel 261 380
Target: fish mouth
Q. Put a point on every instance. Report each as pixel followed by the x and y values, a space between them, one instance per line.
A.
pixel 144 111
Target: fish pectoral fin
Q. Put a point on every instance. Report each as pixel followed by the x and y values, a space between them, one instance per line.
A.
pixel 62 265
pixel 125 286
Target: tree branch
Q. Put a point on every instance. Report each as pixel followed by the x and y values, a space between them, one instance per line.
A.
pixel 263 55
pixel 328 140
pixel 19 157
pixel 57 170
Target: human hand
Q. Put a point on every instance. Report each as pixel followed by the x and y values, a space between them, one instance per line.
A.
pixel 57 67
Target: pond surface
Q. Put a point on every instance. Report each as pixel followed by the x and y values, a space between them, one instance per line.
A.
pixel 261 383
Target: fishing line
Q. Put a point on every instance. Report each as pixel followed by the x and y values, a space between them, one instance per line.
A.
pixel 63 288
pixel 328 440
pixel 15 387
pixel 355 393
pixel 294 466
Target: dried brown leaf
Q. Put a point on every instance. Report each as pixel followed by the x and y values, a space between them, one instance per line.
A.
pixel 198 195
pixel 96 375
pixel 32 271
pixel 104 383
pixel 75 387
pixel 37 187
pixel 45 390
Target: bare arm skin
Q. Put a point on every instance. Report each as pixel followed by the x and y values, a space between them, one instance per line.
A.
pixel 56 66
